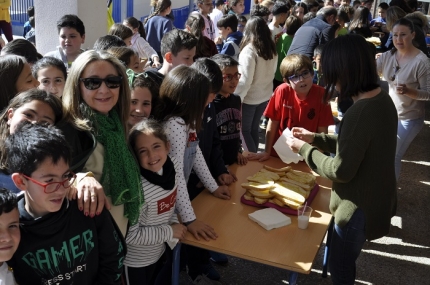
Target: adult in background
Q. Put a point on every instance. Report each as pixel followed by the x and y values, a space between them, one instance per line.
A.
pixel 407 71
pixel 317 31
pixel 363 197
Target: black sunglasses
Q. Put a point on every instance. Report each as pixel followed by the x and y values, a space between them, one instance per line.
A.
pixel 93 83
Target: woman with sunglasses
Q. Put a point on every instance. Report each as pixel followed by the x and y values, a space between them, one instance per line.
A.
pixel 96 101
pixel 363 197
pixel 407 70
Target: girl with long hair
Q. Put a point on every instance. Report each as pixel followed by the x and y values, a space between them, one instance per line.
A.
pixel 257 59
pixel 158 24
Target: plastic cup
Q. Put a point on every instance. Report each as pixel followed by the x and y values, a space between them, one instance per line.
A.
pixel 303 216
pixel 399 87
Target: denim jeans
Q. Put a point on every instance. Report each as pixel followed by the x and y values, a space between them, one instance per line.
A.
pixel 346 245
pixel 406 132
pixel 251 115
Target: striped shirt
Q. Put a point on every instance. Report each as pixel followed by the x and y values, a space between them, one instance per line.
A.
pixel 146 239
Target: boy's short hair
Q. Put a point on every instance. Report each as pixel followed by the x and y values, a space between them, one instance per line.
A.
pixel 280 7
pixel 292 24
pixel 211 70
pixel 30 11
pixel 219 3
pixel 224 60
pixel 177 40
pixel 242 18
pixel 8 201
pixel 356 2
pixel 318 50
pixel 31 144
pixel 383 6
pixel 366 1
pixel 107 42
pixel 71 21
pixel 228 21
pixel 293 63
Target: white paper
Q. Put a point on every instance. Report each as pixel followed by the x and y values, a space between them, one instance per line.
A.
pixel 284 151
pixel 172 243
pixel 270 218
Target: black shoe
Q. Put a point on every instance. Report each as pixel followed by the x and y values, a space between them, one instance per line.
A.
pixel 218 258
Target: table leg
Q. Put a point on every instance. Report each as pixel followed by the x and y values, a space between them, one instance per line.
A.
pixel 176 263
pixel 327 247
pixel 292 278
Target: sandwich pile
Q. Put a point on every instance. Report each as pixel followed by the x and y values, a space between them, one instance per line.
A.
pixel 283 186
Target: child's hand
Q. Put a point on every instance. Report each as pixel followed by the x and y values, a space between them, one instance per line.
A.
pixel 222 192
pixel 198 228
pixel 91 197
pixel 179 231
pixel 261 156
pixel 241 160
pixel 218 40
pixel 226 178
pixel 303 134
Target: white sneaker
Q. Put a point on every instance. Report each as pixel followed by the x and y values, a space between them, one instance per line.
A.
pixel 203 280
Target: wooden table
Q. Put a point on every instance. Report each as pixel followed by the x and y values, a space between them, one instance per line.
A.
pixel 287 247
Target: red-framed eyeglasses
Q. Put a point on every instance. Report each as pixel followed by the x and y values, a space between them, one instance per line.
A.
pixel 51 187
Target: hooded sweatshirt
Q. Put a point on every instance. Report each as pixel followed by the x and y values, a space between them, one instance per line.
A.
pixel 67 247
pixel 231 45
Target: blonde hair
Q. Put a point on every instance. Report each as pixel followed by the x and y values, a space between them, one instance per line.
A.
pixel 73 102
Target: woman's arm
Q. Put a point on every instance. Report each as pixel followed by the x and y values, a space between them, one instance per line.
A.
pixel 423 93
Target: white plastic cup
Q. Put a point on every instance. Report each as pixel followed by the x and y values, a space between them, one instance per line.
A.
pixel 399 87
pixel 303 216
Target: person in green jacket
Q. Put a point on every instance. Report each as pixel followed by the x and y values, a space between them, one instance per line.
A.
pixel 363 197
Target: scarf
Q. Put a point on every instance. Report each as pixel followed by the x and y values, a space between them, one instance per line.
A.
pixel 120 178
pixel 165 181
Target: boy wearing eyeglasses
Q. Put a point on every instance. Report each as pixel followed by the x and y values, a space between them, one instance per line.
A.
pixel 228 111
pixel 59 245
pixel 296 103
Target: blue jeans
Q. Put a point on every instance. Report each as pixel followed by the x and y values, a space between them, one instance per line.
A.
pixel 251 115
pixel 346 245
pixel 406 132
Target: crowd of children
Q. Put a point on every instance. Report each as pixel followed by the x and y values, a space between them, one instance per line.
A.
pixel 109 146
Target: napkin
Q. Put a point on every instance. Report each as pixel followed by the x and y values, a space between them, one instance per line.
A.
pixel 172 243
pixel 284 151
pixel 270 218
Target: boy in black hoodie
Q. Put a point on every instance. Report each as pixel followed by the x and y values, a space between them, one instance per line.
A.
pixel 59 244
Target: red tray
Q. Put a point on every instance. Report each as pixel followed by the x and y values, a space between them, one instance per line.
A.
pixel 285 209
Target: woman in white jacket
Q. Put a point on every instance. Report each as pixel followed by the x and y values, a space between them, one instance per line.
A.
pixel 257 64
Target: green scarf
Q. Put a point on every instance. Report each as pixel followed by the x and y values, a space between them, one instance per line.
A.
pixel 120 178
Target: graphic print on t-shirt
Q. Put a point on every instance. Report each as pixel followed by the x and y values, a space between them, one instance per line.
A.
pixel 166 203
